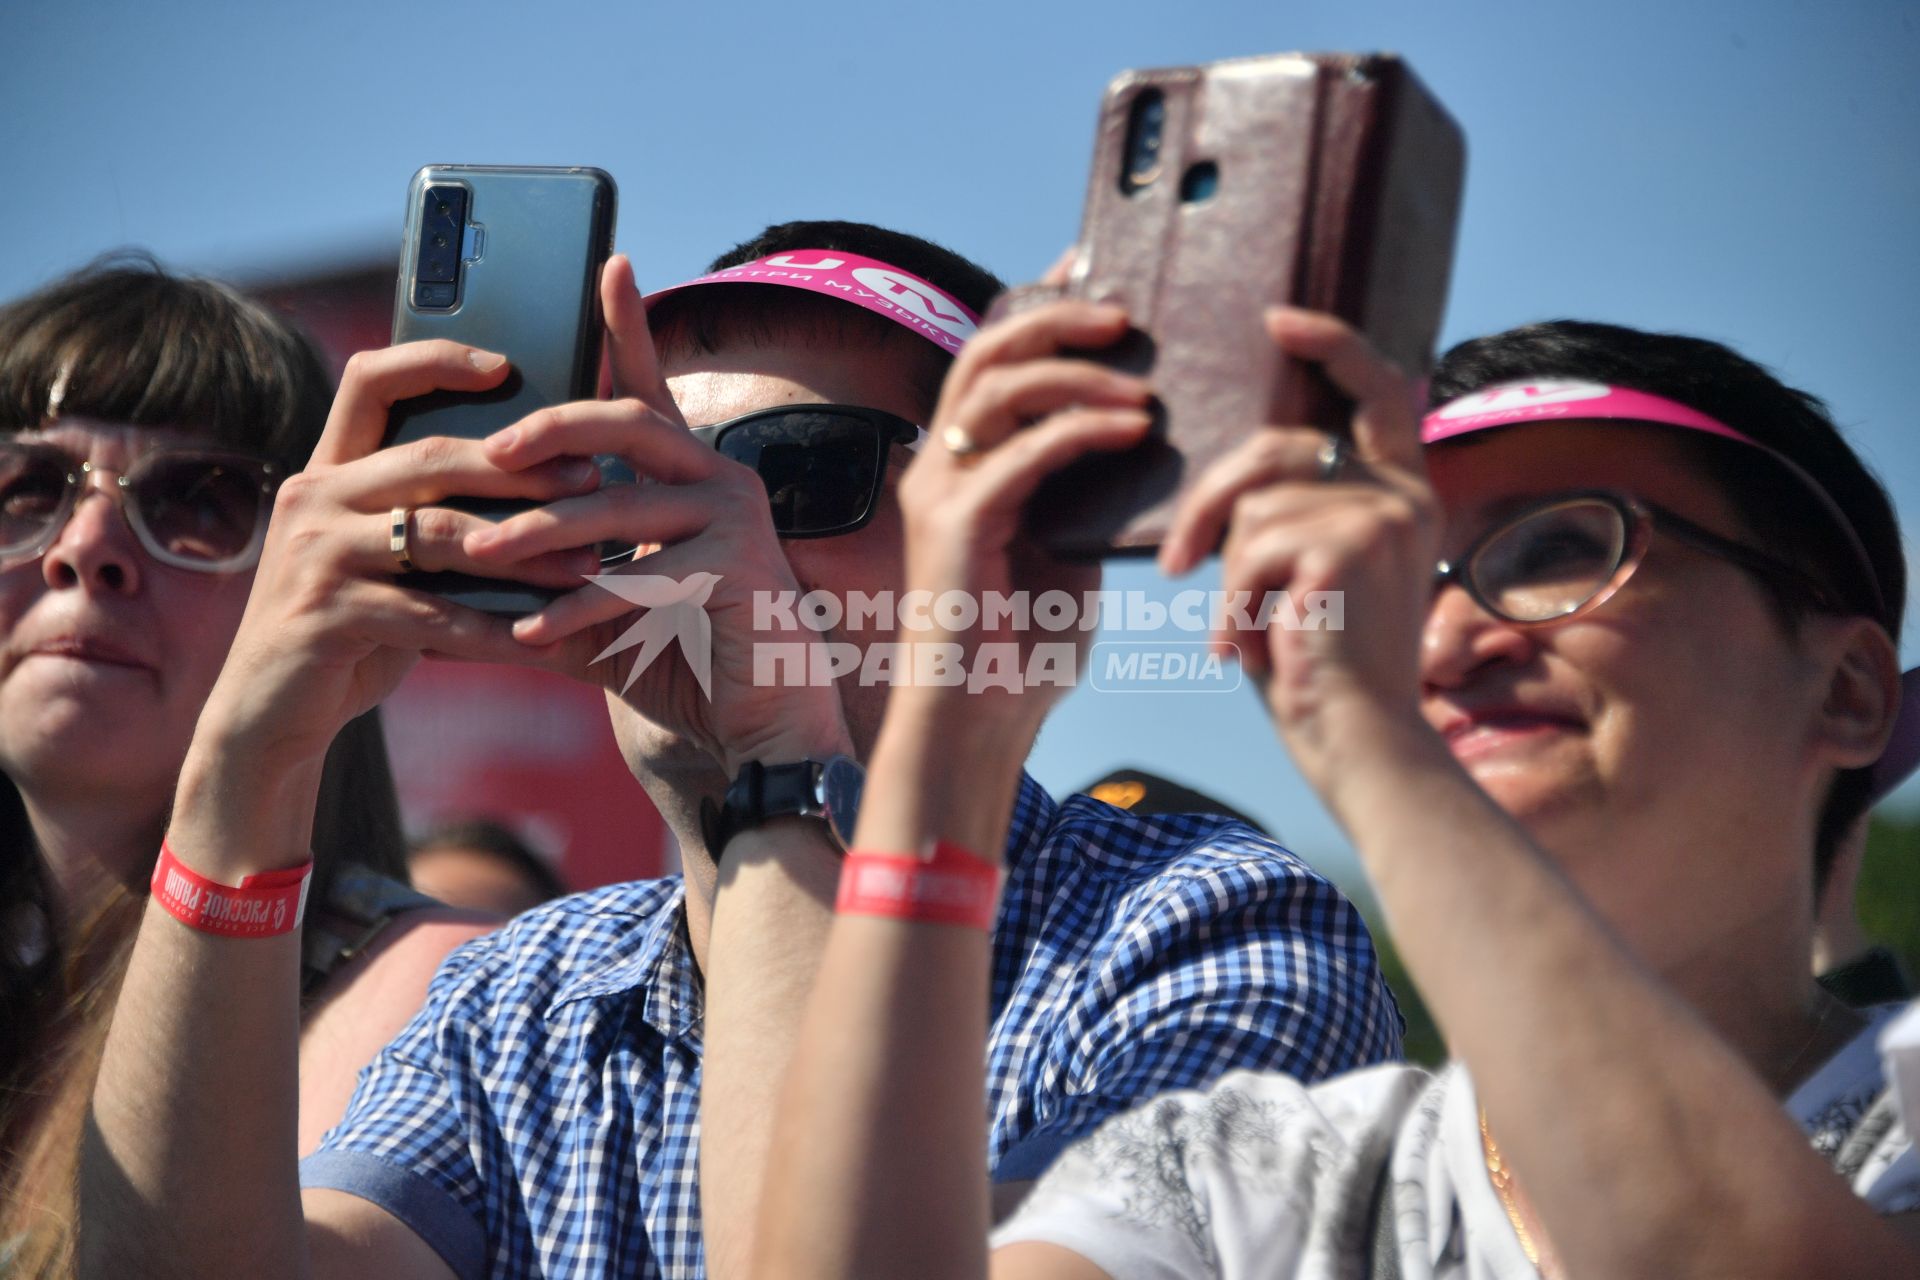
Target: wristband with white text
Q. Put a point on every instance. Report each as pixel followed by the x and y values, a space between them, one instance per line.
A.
pixel 264 905
pixel 952 887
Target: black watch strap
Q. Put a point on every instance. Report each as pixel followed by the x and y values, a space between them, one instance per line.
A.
pixel 762 792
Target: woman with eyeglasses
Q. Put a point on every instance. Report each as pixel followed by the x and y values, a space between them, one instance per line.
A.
pixel 146 420
pixel 1618 662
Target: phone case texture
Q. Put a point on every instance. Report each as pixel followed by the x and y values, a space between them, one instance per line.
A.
pixel 1338 182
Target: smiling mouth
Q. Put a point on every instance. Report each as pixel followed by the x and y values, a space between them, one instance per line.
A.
pixel 1484 734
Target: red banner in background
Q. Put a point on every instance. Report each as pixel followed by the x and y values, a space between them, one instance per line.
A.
pixel 531 750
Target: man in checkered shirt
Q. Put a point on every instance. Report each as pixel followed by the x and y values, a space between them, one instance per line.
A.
pixel 541 1115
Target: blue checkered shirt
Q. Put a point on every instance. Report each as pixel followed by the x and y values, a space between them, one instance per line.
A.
pixel 540 1116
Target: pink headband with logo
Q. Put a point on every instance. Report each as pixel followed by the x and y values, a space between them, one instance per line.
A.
pixel 1557 400
pixel 885 290
pixel 1545 400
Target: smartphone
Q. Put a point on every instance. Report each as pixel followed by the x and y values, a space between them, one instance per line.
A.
pixel 507 259
pixel 1322 180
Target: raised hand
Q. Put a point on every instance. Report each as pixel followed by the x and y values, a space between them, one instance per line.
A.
pixel 1369 532
pixel 328 632
pixel 1018 411
pixel 701 518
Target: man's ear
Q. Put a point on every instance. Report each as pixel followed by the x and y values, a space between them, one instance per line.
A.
pixel 1862 692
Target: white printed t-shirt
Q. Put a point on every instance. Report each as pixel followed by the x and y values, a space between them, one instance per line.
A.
pixel 1262 1177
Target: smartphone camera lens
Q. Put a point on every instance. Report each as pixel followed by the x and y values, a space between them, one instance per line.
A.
pixel 1199 184
pixel 443 217
pixel 1146 132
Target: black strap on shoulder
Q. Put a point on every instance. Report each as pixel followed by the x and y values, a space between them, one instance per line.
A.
pixel 1383 1242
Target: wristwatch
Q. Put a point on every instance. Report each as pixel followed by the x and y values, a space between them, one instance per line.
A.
pixel 826 789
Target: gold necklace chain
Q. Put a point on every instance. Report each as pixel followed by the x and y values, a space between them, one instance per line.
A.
pixel 1502 1179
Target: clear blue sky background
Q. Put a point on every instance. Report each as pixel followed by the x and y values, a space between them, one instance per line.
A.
pixel 1749 171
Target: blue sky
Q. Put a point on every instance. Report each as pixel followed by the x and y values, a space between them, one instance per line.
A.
pixel 1749 171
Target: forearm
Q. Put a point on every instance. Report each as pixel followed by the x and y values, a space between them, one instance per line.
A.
pixel 772 907
pixel 878 1164
pixel 190 1165
pixel 1630 1122
pixel 770 922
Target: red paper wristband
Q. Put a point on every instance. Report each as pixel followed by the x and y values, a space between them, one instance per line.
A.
pixel 261 906
pixel 952 887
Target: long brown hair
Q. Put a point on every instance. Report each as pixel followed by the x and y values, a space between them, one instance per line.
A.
pixel 44 1106
pixel 135 344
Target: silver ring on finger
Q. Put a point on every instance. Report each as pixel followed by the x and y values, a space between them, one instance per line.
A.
pixel 399 524
pixel 1331 458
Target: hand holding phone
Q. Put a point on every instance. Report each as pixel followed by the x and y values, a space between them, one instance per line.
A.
pixel 1330 182
pixel 505 259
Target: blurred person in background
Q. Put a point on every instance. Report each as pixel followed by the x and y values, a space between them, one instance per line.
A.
pixel 1145 794
pixel 145 419
pixel 481 865
pixel 1617 674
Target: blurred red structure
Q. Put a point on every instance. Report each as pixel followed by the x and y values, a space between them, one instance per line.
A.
pixel 528 749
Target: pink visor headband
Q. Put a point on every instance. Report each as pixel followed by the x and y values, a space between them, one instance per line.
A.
pixel 900 296
pixel 1549 400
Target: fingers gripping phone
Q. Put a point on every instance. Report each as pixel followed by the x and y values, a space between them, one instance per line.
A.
pixel 1328 181
pixel 508 260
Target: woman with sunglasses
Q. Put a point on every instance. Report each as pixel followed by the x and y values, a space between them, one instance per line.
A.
pixel 145 422
pixel 1595 763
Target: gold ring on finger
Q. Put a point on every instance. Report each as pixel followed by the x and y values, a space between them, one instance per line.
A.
pixel 400 522
pixel 959 442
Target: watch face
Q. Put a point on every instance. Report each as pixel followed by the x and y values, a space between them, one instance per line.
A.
pixel 840 785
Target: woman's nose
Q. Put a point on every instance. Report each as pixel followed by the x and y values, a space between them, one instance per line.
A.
pixel 96 549
pixel 1461 637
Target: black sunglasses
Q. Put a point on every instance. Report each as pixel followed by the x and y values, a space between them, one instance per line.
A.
pixel 823 464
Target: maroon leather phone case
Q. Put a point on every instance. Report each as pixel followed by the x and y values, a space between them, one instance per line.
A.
pixel 1337 186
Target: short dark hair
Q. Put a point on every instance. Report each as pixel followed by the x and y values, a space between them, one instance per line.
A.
pixel 1746 396
pixel 704 320
pixel 143 346
pixel 498 841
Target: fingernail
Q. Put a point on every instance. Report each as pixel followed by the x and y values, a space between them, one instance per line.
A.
pixel 505 438
pixel 522 627
pixel 484 361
